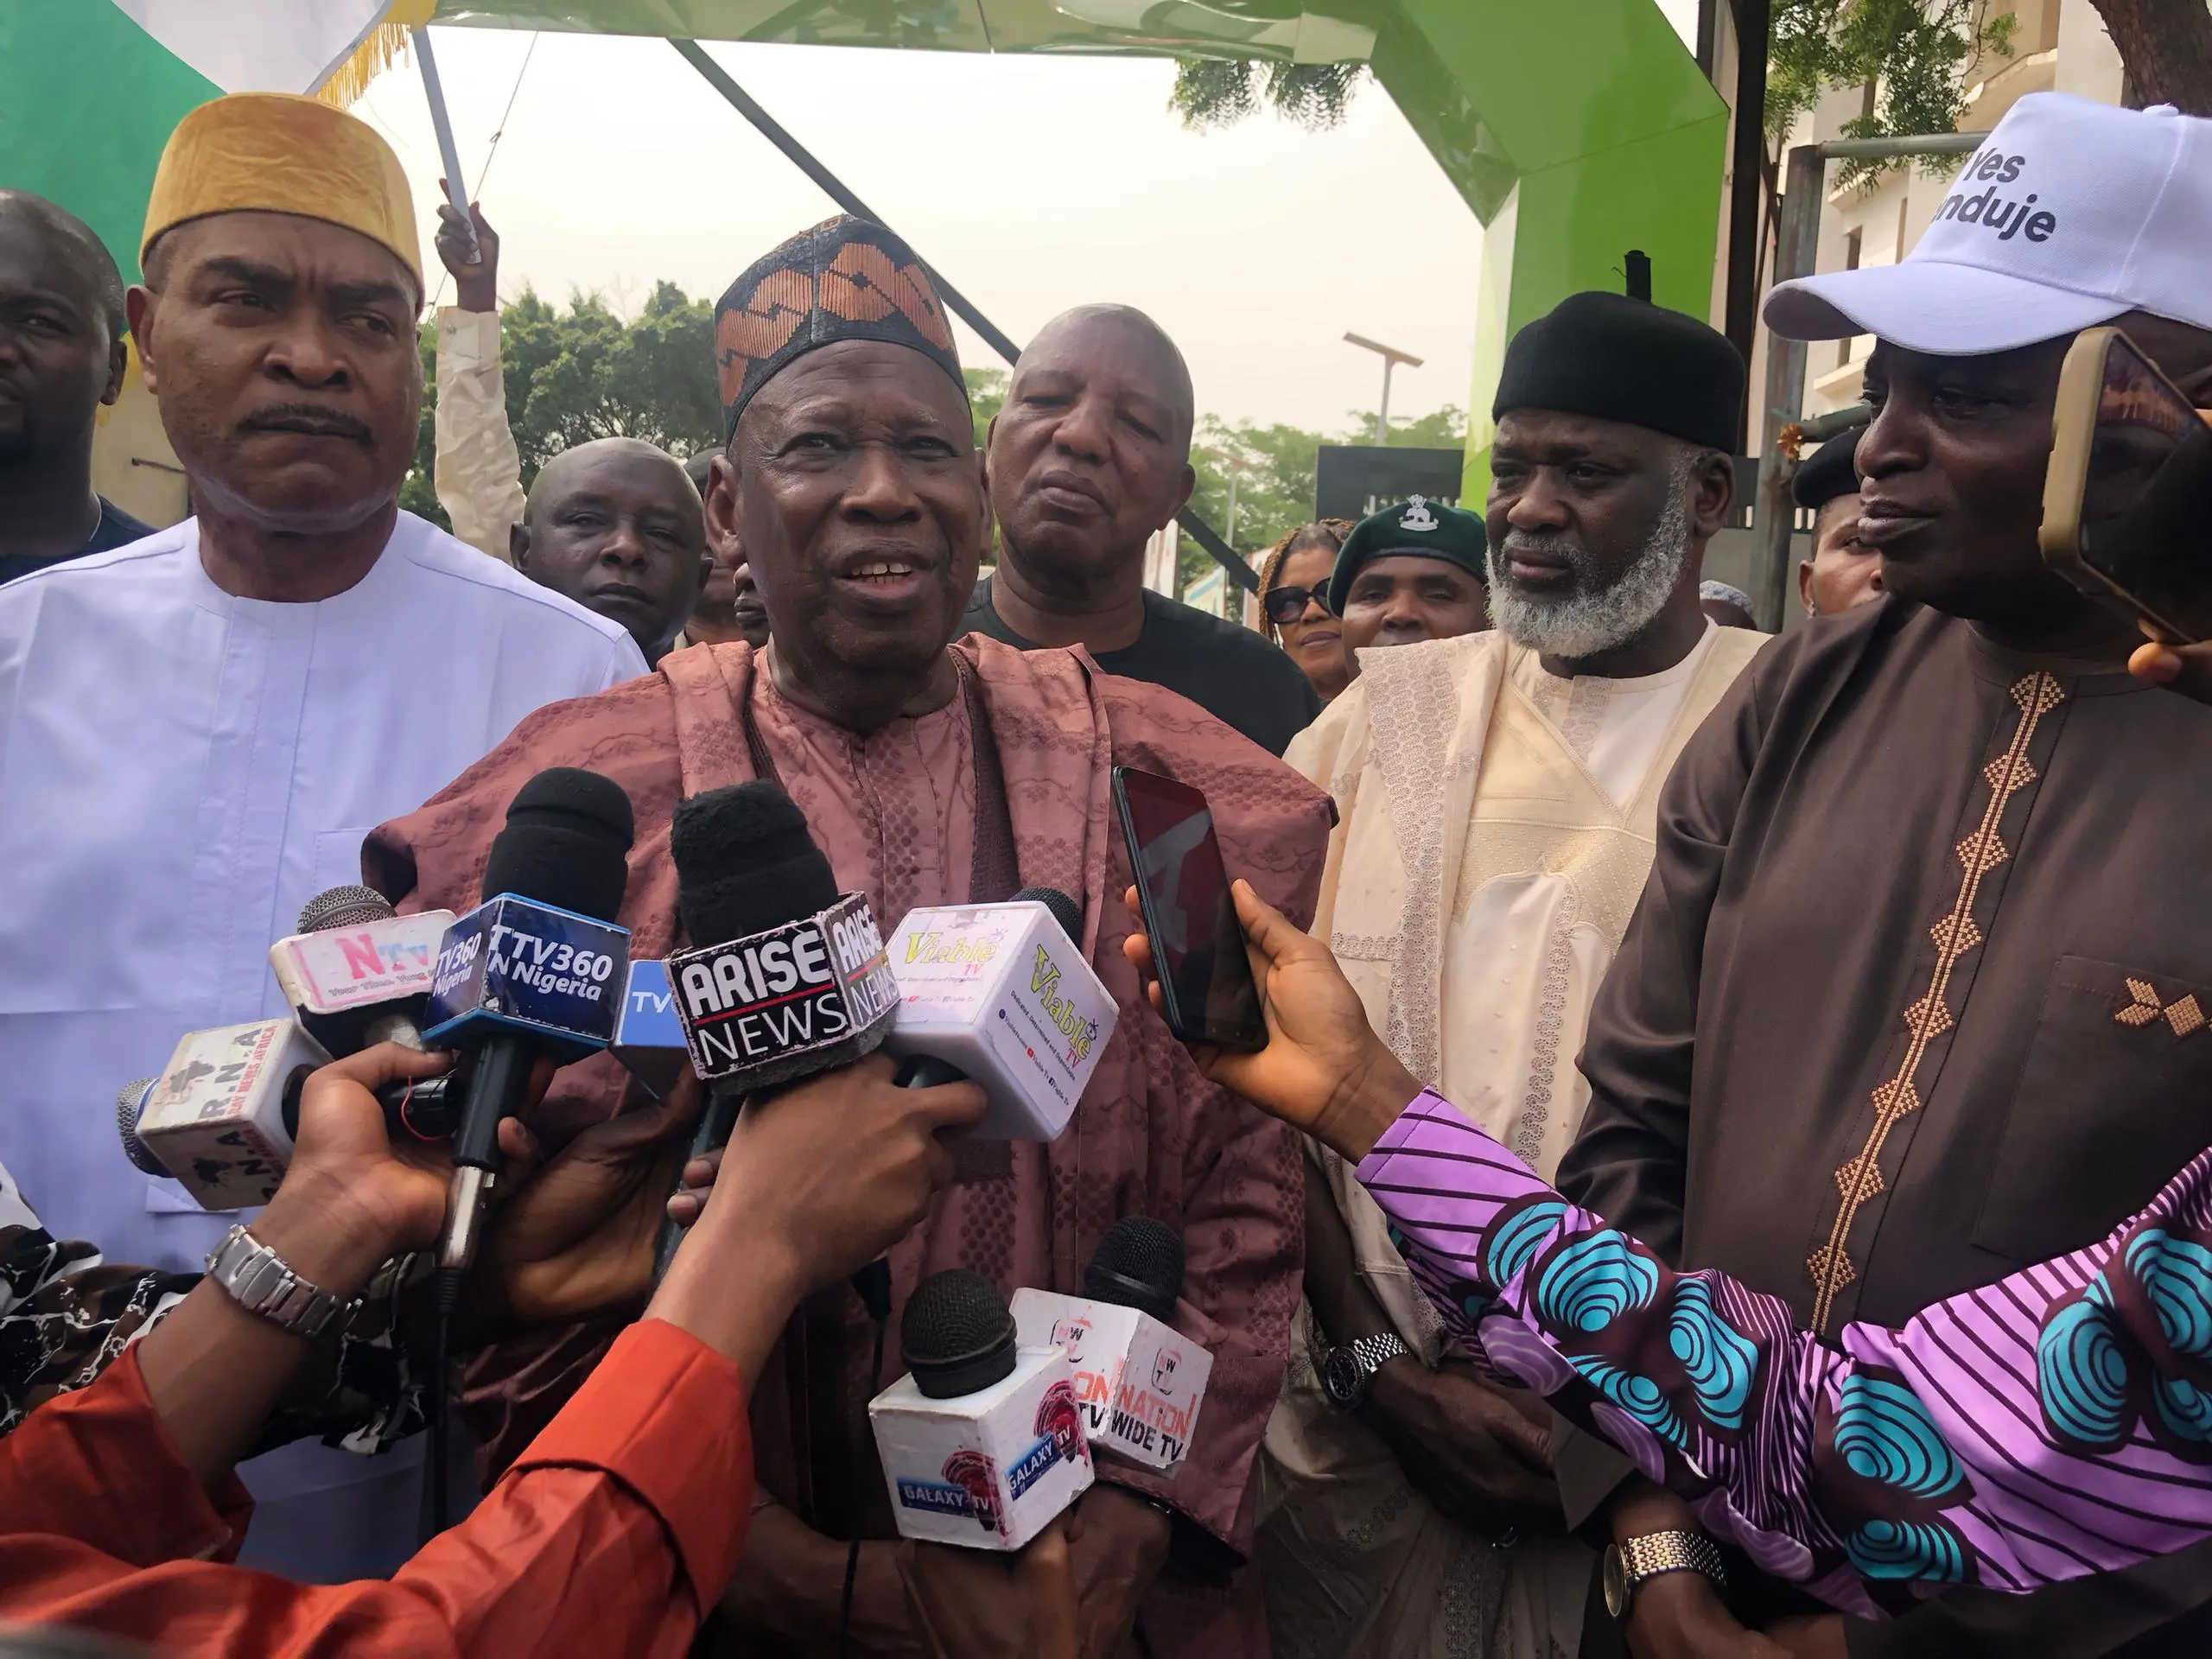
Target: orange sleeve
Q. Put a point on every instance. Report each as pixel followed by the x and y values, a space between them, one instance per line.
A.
pixel 610 1536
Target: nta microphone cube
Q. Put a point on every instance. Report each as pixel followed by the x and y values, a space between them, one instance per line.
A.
pixel 1140 1383
pixel 1002 994
pixel 987 1470
pixel 535 970
pixel 335 978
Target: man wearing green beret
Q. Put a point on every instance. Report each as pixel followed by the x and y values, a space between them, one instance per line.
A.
pixel 1409 573
pixel 1496 794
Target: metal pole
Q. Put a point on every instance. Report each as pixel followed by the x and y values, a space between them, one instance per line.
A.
pixel 441 124
pixel 1382 414
pixel 955 301
pixel 1231 529
pixel 1747 188
pixel 1797 236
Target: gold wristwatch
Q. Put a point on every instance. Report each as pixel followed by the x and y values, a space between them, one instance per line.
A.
pixel 1628 1565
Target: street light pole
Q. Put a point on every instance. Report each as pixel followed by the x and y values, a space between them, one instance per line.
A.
pixel 1391 357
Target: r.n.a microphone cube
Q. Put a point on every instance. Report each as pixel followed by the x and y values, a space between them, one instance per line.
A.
pixel 987 1470
pixel 1002 993
pixel 763 1009
pixel 335 979
pixel 215 1117
pixel 515 964
pixel 1140 1383
pixel 648 1037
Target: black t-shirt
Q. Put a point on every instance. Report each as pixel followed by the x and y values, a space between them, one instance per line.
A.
pixel 116 528
pixel 1232 673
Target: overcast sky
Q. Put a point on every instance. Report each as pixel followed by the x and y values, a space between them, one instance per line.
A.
pixel 1032 182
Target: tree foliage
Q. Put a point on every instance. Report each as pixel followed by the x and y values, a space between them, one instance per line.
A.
pixel 1915 54
pixel 1219 93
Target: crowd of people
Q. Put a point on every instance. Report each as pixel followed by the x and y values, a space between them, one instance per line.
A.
pixel 1722 1178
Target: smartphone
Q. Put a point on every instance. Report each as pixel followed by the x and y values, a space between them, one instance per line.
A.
pixel 1198 943
pixel 2127 502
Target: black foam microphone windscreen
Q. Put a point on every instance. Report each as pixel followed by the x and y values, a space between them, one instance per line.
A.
pixel 566 843
pixel 1138 1264
pixel 1065 911
pixel 745 862
pixel 956 1336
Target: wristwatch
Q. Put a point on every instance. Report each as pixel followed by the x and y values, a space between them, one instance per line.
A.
pixel 258 1280
pixel 1629 1565
pixel 1347 1372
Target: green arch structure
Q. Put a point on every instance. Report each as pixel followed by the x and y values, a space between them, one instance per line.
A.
pixel 1574 129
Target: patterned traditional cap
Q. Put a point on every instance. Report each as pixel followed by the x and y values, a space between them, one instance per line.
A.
pixel 845 279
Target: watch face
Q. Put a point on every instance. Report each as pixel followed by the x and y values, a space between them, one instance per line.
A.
pixel 1341 1379
pixel 1615 1580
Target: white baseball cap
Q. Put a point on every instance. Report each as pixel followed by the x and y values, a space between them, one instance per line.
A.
pixel 2072 213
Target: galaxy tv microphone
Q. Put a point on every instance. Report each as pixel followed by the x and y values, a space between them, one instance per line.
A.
pixel 222 1116
pixel 981 1441
pixel 357 973
pixel 787 979
pixel 1002 994
pixel 537 968
pixel 1138 1380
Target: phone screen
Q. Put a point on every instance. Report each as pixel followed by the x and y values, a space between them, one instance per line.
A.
pixel 2146 502
pixel 1198 943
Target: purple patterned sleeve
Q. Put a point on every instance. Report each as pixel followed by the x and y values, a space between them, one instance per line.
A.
pixel 2052 1425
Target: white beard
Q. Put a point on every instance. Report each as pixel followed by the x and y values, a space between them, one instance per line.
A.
pixel 1584 624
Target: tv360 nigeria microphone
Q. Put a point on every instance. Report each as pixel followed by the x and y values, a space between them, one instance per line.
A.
pixel 1141 1382
pixel 357 973
pixel 786 977
pixel 982 1442
pixel 1000 993
pixel 538 968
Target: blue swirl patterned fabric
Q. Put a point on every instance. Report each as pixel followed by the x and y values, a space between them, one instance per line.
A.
pixel 2053 1424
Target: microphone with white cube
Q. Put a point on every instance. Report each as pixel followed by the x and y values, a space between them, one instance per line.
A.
pixel 1140 1380
pixel 981 1441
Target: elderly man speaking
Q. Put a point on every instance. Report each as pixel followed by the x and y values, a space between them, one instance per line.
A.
pixel 197 729
pixel 932 774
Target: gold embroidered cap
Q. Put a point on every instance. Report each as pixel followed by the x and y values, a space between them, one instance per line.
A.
pixel 271 152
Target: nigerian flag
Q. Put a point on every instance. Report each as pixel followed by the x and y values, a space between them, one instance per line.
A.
pixel 90 89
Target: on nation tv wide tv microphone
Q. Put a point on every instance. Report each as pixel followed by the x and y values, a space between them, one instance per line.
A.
pixel 538 968
pixel 1139 1380
pixel 787 977
pixel 358 973
pixel 981 1441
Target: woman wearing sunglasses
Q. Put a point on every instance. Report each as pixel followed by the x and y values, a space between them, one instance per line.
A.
pixel 1295 602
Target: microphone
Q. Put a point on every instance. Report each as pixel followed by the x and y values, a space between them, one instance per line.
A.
pixel 786 978
pixel 981 1441
pixel 532 970
pixel 1002 994
pixel 240 1142
pixel 648 1037
pixel 357 973
pixel 1139 1380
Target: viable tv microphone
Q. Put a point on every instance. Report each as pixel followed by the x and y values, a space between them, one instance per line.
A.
pixel 535 968
pixel 1139 1380
pixel 981 1441
pixel 357 973
pixel 787 977
pixel 1002 994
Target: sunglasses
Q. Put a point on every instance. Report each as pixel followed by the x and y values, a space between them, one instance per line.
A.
pixel 1285 604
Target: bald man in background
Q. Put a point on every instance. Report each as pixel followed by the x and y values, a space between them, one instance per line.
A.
pixel 62 356
pixel 617 526
pixel 1090 456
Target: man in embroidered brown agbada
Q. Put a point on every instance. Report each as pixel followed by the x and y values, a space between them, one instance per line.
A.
pixel 1916 993
pixel 929 776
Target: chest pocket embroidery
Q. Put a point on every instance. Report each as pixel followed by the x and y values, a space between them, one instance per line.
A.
pixel 2182 1016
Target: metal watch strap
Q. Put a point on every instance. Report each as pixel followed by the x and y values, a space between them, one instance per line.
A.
pixel 259 1281
pixel 1372 1352
pixel 1655 1553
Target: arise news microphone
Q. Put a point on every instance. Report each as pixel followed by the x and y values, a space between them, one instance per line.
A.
pixel 785 978
pixel 1139 1380
pixel 357 973
pixel 1002 994
pixel 535 968
pixel 981 1441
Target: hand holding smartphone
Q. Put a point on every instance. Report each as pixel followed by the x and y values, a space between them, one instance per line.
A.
pixel 1207 992
pixel 2127 500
